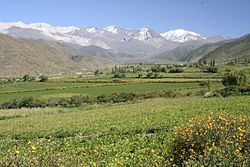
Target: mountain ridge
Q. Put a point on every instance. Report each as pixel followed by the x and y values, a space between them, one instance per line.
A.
pixel 52 30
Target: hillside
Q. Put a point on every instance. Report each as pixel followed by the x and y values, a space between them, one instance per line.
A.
pixel 190 51
pixel 196 54
pixel 20 56
pixel 238 48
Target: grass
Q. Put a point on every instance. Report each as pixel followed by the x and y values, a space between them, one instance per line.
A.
pixel 36 85
pixel 133 134
pixel 72 89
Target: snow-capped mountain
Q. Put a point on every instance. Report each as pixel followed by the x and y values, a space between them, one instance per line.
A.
pixel 46 31
pixel 46 28
pixel 145 34
pixel 113 37
pixel 113 29
pixel 119 30
pixel 181 35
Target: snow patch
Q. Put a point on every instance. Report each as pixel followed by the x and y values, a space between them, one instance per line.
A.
pixel 181 35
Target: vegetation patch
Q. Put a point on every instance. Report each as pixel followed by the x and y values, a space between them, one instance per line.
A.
pixel 211 140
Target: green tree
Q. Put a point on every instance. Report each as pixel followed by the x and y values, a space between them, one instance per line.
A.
pixel 26 78
pixel 149 75
pixel 97 72
pixel 235 79
pixel 43 78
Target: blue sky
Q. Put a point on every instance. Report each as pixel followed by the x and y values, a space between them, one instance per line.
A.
pixel 208 17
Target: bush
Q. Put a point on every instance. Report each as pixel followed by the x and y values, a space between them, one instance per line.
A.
pixel 26 78
pixel 87 99
pixel 139 75
pixel 54 102
pixel 211 70
pixel 149 75
pixel 156 75
pixel 64 102
pixel 75 101
pixel 235 91
pixel 12 104
pixel 169 93
pixel 103 99
pixel 122 97
pixel 216 139
pixel 234 79
pixel 230 79
pixel 244 90
pixel 43 78
pixel 176 70
pixel 31 102
pixel 26 102
pixel 230 91
pixel 148 95
pixel 119 75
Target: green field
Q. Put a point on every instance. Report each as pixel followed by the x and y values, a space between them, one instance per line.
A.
pixel 36 89
pixel 134 134
pixel 137 132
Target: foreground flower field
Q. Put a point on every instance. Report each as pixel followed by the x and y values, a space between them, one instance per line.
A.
pixel 138 133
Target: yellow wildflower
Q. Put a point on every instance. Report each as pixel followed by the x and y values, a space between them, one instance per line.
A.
pixel 241 130
pixel 33 148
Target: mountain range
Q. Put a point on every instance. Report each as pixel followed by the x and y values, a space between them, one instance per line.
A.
pixel 52 49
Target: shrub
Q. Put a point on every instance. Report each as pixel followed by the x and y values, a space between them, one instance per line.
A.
pixel 12 104
pixel 230 91
pixel 149 75
pixel 244 90
pixel 211 70
pixel 26 102
pixel 119 75
pixel 230 79
pixel 11 80
pixel 148 95
pixel 216 139
pixel 63 102
pixel 97 72
pixel 235 90
pixel 54 102
pixel 31 102
pixel 234 79
pixel 43 78
pixel 26 78
pixel 139 75
pixel 75 101
pixel 176 70
pixel 32 78
pixel 156 75
pixel 169 93
pixel 103 99
pixel 87 99
pixel 122 97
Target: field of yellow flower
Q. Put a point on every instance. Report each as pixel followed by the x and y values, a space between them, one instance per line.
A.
pixel 141 133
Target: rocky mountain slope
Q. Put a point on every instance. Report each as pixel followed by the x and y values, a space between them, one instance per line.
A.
pixel 21 56
pixel 222 51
